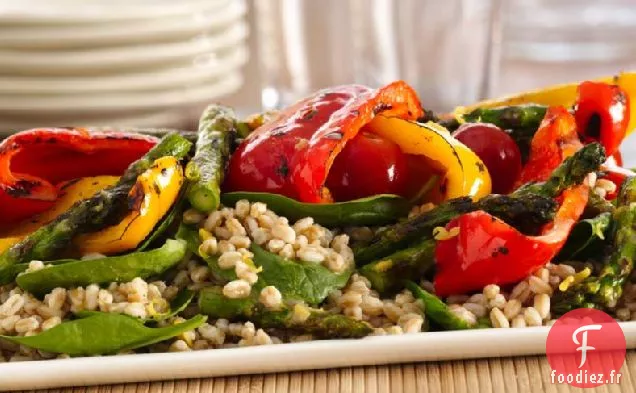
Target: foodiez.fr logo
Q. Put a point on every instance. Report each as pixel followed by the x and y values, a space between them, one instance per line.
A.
pixel 586 348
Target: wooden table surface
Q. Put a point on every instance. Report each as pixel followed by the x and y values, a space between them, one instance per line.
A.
pixel 510 375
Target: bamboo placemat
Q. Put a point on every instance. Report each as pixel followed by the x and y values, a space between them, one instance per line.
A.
pixel 509 375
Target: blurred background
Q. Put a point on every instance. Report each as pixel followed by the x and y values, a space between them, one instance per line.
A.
pixel 156 63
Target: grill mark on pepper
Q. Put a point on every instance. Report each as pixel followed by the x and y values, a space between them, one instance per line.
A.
pixel 156 188
pixel 621 98
pixel 381 107
pixel 71 182
pixel 22 188
pixel 278 131
pixel 309 114
pixel 283 169
pixel 443 186
pixel 136 197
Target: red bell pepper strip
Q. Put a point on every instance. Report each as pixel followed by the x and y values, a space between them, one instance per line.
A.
pixel 489 251
pixel 555 140
pixel 602 114
pixel 33 162
pixel 292 155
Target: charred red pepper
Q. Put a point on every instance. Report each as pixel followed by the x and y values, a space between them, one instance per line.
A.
pixel 555 140
pixel 33 162
pixel 292 155
pixel 602 114
pixel 487 250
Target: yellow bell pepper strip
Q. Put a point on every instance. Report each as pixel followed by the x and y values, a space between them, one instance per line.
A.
pixel 559 95
pixel 68 193
pixel 154 193
pixel 463 173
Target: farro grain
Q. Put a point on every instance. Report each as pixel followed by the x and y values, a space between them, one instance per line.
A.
pixel 228 260
pixel 490 291
pixel 237 289
pixel 477 309
pixel 532 316
pixel 498 301
pixel 271 297
pixel 538 286
pixel 542 305
pixel 512 308
pixel 518 322
pixel 498 319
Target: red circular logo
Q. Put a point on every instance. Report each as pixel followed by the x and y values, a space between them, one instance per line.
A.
pixel 585 348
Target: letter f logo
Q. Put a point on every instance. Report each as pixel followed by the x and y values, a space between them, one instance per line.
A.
pixel 583 344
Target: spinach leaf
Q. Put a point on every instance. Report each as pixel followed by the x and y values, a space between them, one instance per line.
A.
pixel 297 280
pixel 178 304
pixel 586 238
pixel 171 218
pixel 103 270
pixel 190 235
pixel 100 333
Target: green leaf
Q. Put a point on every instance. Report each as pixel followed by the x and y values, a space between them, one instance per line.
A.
pixel 436 310
pixel 212 302
pixel 178 304
pixel 122 268
pixel 586 238
pixel 190 235
pixel 297 280
pixel 102 333
pixel 374 210
pixel 171 218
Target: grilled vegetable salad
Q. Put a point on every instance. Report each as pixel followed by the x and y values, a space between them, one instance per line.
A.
pixel 353 212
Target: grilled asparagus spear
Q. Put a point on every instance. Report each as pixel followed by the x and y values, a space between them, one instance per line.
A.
pixel 300 318
pixel 605 290
pixel 387 274
pixel 92 214
pixel 506 117
pixel 217 130
pixel 436 310
pixel 571 172
pixel 520 211
pixel 526 208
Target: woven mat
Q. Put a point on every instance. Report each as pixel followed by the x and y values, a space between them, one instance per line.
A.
pixel 510 375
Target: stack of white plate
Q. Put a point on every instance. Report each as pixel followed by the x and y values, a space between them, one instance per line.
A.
pixel 116 62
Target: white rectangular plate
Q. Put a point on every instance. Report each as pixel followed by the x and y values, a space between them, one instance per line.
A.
pixel 466 344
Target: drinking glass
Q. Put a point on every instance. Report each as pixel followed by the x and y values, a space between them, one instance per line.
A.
pixel 443 49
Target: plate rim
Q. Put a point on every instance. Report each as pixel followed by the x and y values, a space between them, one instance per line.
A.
pixel 17 15
pixel 177 97
pixel 127 31
pixel 426 346
pixel 170 77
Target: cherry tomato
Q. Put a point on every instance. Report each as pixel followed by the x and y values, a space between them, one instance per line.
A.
pixel 368 165
pixel 602 114
pixel 497 150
